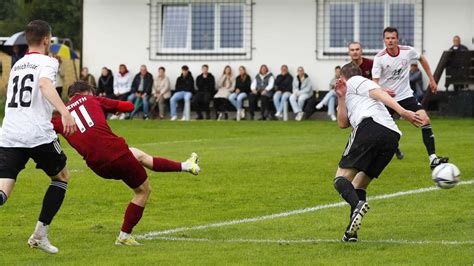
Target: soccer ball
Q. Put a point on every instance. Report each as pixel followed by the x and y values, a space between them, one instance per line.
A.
pixel 446 175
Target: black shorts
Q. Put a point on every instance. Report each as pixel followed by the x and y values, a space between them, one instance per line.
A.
pixel 48 157
pixel 370 148
pixel 410 104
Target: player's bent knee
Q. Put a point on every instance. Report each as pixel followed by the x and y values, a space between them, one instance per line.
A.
pixel 62 176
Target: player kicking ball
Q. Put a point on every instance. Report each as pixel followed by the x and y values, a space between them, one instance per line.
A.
pixel 372 143
pixel 27 131
pixel 391 69
pixel 119 162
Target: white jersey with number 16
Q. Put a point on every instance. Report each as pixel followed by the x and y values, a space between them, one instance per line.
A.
pixel 27 121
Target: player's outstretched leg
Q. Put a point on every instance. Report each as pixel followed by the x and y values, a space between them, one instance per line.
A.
pixel 6 187
pixel 429 140
pixel 158 164
pixel 133 214
pixel 52 202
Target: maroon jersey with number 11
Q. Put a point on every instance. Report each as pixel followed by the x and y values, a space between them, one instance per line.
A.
pixel 94 140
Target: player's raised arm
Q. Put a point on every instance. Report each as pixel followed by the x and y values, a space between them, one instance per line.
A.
pixel 380 95
pixel 342 118
pixel 50 93
pixel 426 67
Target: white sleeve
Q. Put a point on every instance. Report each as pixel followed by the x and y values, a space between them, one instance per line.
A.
pixel 363 86
pixel 254 84
pixel 377 67
pixel 271 82
pixel 49 70
pixel 414 54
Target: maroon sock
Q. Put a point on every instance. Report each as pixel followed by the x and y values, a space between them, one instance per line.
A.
pixel 133 214
pixel 165 165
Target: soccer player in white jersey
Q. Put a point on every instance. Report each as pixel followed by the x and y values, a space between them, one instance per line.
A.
pixel 27 131
pixel 372 144
pixel 392 70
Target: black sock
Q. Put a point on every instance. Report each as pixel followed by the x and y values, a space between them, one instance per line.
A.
pixel 52 201
pixel 428 139
pixel 346 190
pixel 3 197
pixel 361 193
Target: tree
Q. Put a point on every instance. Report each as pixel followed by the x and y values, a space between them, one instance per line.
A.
pixel 64 17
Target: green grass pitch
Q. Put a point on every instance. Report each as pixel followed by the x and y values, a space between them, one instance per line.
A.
pixel 253 169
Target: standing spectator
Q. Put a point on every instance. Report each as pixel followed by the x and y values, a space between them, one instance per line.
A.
pixel 261 89
pixel 457 46
pixel 184 90
pixel 283 87
pixel 330 98
pixel 206 87
pixel 60 77
pixel 225 86
pixel 105 86
pixel 161 91
pixel 416 81
pixel 18 53
pixel 302 90
pixel 122 86
pixel 365 64
pixel 242 90
pixel 141 91
pixel 87 77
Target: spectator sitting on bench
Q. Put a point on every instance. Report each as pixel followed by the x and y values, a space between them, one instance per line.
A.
pixel 141 91
pixel 225 86
pixel 206 87
pixel 330 98
pixel 283 88
pixel 241 91
pixel 161 92
pixel 261 89
pixel 184 90
pixel 106 84
pixel 122 83
pixel 302 90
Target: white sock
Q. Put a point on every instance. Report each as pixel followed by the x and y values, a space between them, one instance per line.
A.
pixel 41 230
pixel 185 166
pixel 123 235
pixel 432 157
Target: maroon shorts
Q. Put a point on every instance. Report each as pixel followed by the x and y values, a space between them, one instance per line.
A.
pixel 125 168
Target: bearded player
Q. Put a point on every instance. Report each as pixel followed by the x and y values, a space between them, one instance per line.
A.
pixel 109 155
pixel 391 70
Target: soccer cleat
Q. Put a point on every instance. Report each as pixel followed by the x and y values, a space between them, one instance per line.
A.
pixel 400 155
pixel 437 161
pixel 129 241
pixel 349 238
pixel 194 160
pixel 356 219
pixel 42 244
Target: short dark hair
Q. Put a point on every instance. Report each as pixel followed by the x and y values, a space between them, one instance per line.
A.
pixel 36 30
pixel 390 29
pixel 79 87
pixel 206 66
pixel 337 67
pixel 349 70
pixel 162 68
pixel 185 67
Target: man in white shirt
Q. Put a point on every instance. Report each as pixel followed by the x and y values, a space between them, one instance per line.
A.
pixel 27 131
pixel 392 70
pixel 372 144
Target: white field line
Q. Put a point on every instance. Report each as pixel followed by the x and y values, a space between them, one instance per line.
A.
pixel 154 234
pixel 315 241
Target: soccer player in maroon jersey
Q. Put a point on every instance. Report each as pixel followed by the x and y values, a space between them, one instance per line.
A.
pixel 365 64
pixel 109 155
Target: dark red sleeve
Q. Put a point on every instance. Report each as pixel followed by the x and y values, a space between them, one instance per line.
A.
pixel 114 106
pixel 57 124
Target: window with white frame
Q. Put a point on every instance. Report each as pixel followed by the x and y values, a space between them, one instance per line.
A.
pixel 341 22
pixel 200 29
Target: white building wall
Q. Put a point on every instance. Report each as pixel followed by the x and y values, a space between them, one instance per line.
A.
pixel 284 32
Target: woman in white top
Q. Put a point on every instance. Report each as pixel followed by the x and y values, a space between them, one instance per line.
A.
pixel 302 91
pixel 122 86
pixel 225 86
pixel 161 92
